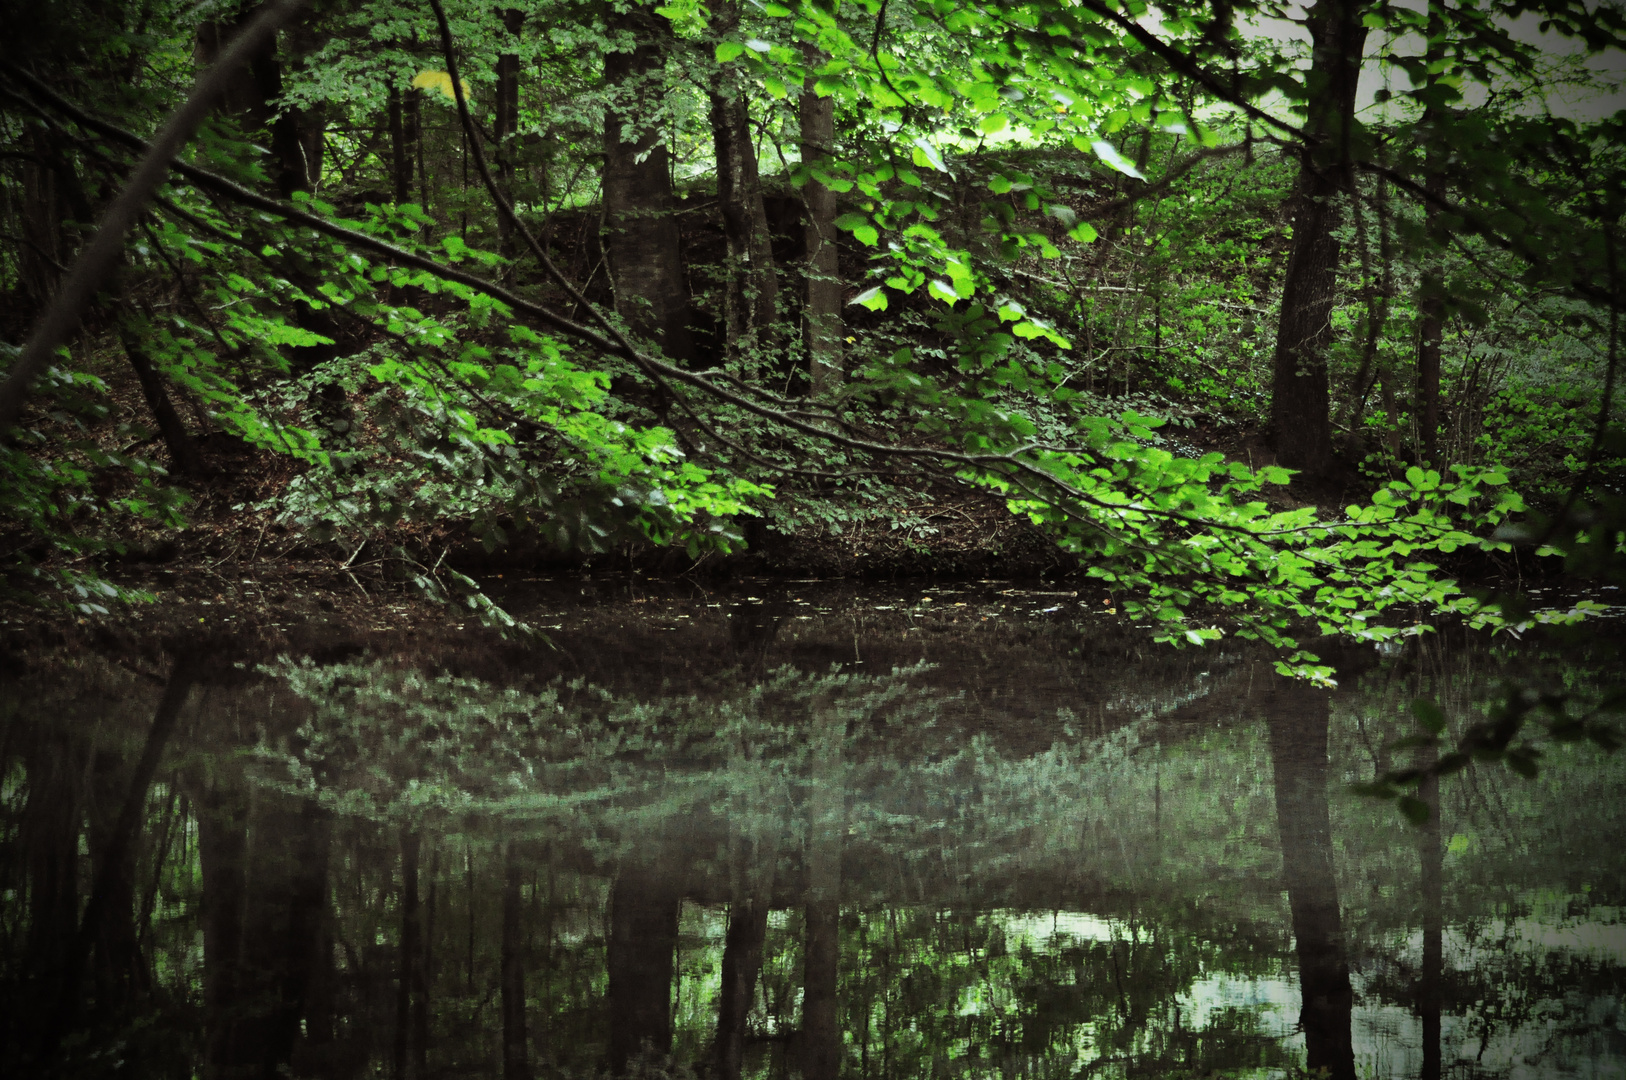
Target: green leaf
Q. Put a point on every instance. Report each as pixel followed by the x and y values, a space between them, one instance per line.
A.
pixel 728 50
pixel 1416 810
pixel 1428 714
pixel 1083 232
pixel 926 154
pixel 873 298
pixel 1109 154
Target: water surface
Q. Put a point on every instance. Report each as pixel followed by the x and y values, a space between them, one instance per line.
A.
pixel 795 830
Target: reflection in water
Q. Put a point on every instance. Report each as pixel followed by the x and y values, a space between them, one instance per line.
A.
pixel 1297 717
pixel 1001 865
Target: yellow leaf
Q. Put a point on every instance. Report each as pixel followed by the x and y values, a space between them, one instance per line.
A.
pixel 439 80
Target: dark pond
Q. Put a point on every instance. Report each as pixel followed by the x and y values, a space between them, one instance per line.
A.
pixel 799 831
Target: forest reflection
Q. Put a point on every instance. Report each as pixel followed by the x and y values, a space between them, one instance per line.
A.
pixel 363 868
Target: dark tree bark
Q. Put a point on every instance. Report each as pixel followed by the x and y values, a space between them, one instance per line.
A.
pixel 407 959
pixel 1431 860
pixel 751 297
pixel 516 1063
pixel 425 969
pixel 254 95
pixel 41 254
pixel 403 112
pixel 504 124
pixel 742 963
pixel 113 882
pixel 284 898
pixel 821 1028
pixel 643 942
pixel 222 856
pixel 1298 716
pixel 183 452
pixel 117 960
pixel 1431 299
pixel 49 834
pixel 1300 400
pixel 821 304
pixel 641 234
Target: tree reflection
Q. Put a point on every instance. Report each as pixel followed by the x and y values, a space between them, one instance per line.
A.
pixel 777 873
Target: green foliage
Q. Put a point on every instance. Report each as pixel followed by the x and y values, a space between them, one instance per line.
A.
pixel 1066 238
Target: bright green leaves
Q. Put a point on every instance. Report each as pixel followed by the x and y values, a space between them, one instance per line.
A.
pixel 859 225
pixel 927 155
pixel 1110 156
pixel 873 298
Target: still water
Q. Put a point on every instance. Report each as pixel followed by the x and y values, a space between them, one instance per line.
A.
pixel 794 830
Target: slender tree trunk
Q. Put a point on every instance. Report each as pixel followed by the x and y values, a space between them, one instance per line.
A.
pixel 1300 399
pixel 1431 860
pixel 516 1064
pixel 742 963
pixel 113 883
pixel 821 304
pixel 641 233
pixel 1298 718
pixel 254 96
pixel 1431 299
pixel 222 855
pixel 113 936
pixel 505 122
pixel 183 452
pixel 403 143
pixel 751 297
pixel 426 967
pixel 407 970
pixel 643 941
pixel 40 256
pixel 821 1028
pixel 49 834
pixel 284 897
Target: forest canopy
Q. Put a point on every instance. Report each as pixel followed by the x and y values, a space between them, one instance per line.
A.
pixel 1268 315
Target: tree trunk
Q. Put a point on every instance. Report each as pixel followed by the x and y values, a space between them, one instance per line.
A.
pixel 113 936
pixel 1298 717
pixel 516 1063
pixel 113 881
pixel 222 856
pixel 643 940
pixel 821 1029
pixel 400 160
pixel 1300 400
pixel 742 963
pixel 751 295
pixel 253 97
pixel 40 256
pixel 821 303
pixel 641 233
pixel 284 889
pixel 183 452
pixel 505 123
pixel 407 964
pixel 49 835
pixel 1431 864
pixel 403 111
pixel 1431 301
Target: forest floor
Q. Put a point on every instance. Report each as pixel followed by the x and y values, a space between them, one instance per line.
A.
pixel 235 571
pixel 234 568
